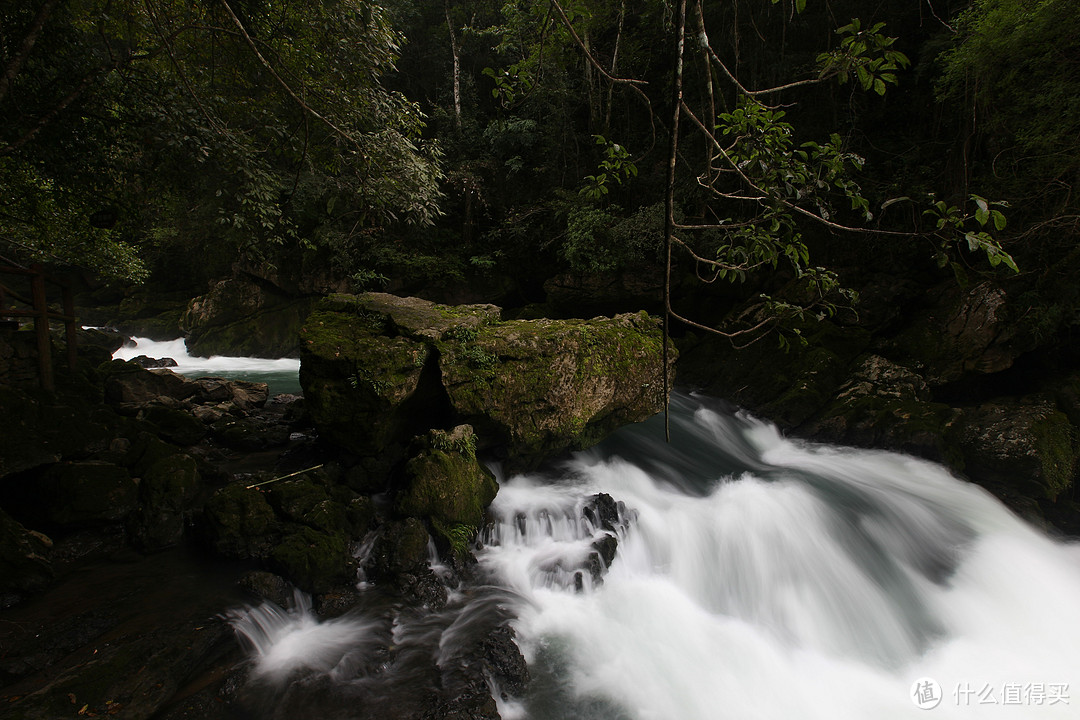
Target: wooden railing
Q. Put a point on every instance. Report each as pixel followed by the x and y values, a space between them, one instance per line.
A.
pixel 38 309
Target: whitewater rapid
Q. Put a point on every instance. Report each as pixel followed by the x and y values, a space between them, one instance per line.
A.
pixel 280 373
pixel 759 577
pixel 755 577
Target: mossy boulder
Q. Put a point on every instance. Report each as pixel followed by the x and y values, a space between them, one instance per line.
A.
pixel 377 370
pixel 886 405
pixel 315 560
pixel 167 491
pixel 1019 448
pixel 239 522
pixel 540 387
pixel 446 485
pixel 309 503
pixel 357 382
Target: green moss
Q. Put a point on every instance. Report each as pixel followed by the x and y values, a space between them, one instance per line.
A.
pixel 447 487
pixel 1055 445
pixel 238 521
pixel 315 561
pixel 458 536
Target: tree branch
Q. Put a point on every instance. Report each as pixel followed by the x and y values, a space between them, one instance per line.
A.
pixel 17 60
pixel 292 93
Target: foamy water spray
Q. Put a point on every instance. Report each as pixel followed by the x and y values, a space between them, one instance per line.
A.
pixel 762 578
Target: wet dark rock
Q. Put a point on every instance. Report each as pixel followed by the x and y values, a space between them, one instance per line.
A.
pixel 504 662
pixel 422 587
pixel 166 502
pixel 267 586
pixel 603 512
pixel 128 383
pixel 175 426
pixel 316 561
pixel 25 560
pixel 238 522
pixel 248 433
pixel 401 547
pixel 150 363
pixel 604 549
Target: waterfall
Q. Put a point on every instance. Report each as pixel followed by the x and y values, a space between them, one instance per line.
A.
pixel 758 577
pixel 736 574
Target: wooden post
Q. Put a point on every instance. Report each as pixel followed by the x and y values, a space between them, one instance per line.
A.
pixel 41 327
pixel 70 329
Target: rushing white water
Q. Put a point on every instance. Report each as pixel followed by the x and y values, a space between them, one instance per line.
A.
pixel 287 641
pixel 280 373
pixel 755 578
pixel 758 577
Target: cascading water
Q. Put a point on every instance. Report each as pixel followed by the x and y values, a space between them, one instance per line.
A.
pixel 280 373
pixel 757 577
pixel 736 574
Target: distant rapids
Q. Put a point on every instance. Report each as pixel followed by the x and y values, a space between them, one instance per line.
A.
pixel 757 577
pixel 281 374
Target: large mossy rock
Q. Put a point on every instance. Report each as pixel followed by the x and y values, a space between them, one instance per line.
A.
pixel 357 382
pixel 238 522
pixel 964 333
pixel 244 316
pixel 446 485
pixel 544 386
pixel 1023 448
pixel 377 369
pixel 886 405
pixel 167 490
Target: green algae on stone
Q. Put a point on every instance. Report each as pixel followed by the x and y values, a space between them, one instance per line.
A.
pixel 315 560
pixel 355 382
pixel 555 384
pixel 445 484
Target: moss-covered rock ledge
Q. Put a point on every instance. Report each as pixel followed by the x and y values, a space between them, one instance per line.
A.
pixel 379 369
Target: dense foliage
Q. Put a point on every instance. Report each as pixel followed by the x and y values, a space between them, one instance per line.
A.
pixel 142 131
pixel 472 148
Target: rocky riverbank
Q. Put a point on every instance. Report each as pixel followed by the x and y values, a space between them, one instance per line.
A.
pixel 127 471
